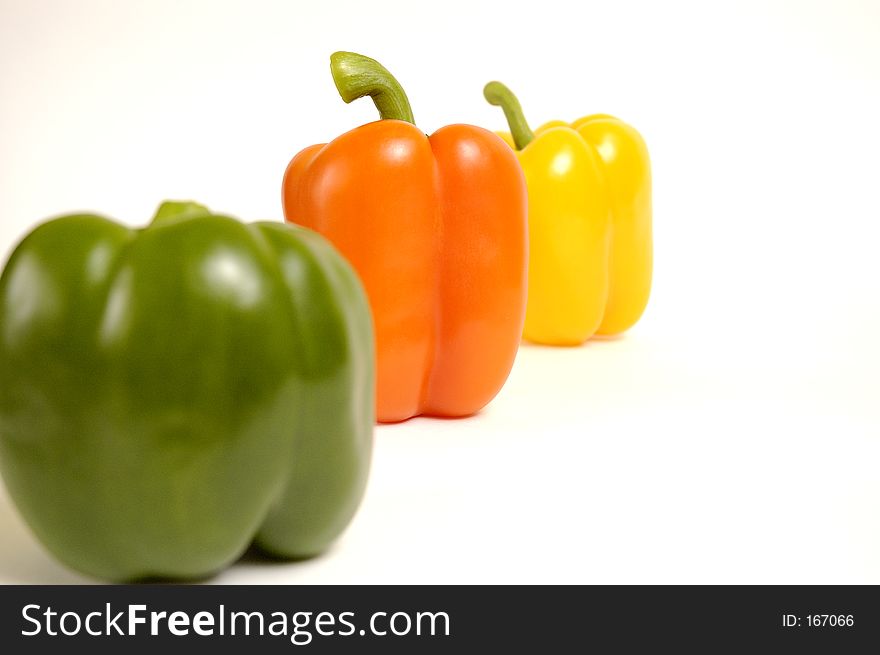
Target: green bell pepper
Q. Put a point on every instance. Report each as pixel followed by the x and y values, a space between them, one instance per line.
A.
pixel 171 394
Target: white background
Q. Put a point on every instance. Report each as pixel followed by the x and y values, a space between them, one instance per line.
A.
pixel 733 436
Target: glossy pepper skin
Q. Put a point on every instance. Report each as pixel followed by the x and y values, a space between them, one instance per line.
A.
pixel 591 253
pixel 171 394
pixel 436 228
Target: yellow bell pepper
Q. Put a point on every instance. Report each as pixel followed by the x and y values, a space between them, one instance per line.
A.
pixel 590 243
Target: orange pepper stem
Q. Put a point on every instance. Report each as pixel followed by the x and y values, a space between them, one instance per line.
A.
pixel 357 76
pixel 499 95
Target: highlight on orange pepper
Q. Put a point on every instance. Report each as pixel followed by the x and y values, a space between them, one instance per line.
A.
pixel 436 228
pixel 591 253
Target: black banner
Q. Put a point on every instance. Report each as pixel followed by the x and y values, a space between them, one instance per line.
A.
pixel 539 619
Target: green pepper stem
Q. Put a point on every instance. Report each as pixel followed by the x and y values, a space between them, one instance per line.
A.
pixel 178 209
pixel 357 76
pixel 499 95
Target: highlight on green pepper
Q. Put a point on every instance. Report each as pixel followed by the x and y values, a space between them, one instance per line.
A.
pixel 172 394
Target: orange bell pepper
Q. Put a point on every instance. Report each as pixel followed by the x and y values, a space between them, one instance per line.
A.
pixel 436 228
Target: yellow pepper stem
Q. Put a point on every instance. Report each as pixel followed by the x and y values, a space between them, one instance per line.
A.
pixel 499 95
